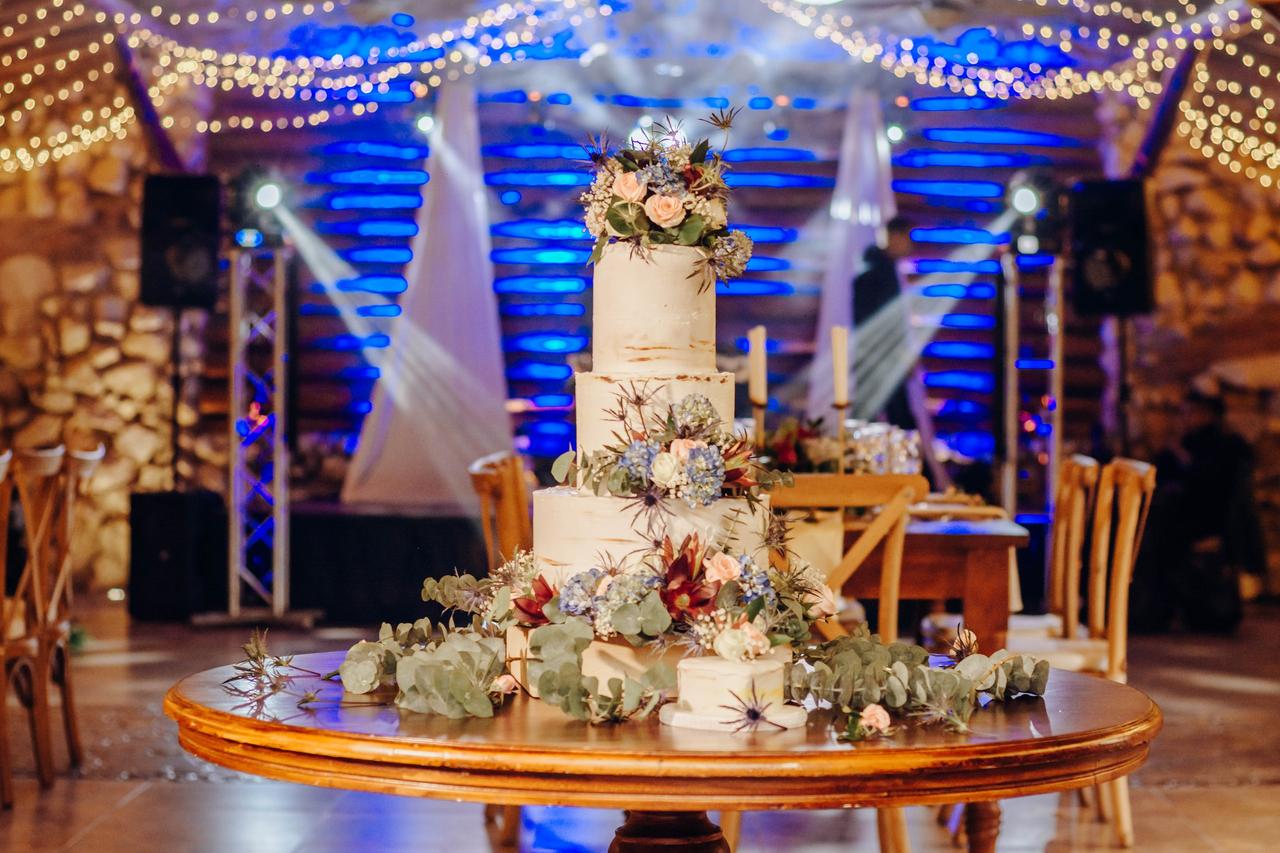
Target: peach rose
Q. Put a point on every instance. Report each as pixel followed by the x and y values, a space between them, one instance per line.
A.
pixel 665 211
pixel 757 643
pixel 722 568
pixel 628 187
pixel 875 719
pixel 504 684
pixel 822 602
pixel 681 447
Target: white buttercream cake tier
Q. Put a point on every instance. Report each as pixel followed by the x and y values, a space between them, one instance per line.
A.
pixel 714 693
pixel 573 529
pixel 597 394
pixel 650 314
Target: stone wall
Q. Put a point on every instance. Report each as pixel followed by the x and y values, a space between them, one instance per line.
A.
pixel 1216 236
pixel 81 360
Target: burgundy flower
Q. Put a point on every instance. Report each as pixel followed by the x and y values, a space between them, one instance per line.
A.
pixel 529 607
pixel 686 591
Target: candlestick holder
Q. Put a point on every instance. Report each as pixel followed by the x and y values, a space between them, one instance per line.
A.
pixel 757 412
pixel 842 432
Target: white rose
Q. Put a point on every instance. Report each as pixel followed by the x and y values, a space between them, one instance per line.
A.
pixel 822 602
pixel 628 187
pixel 714 214
pixel 731 644
pixel 681 447
pixel 665 211
pixel 757 643
pixel 504 684
pixel 664 469
pixel 722 568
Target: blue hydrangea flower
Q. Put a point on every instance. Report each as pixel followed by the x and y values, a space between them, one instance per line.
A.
pixel 577 596
pixel 754 582
pixel 705 474
pixel 662 180
pixel 694 412
pixel 637 458
pixel 629 588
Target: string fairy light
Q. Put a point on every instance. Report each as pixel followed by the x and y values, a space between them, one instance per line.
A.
pixel 112 122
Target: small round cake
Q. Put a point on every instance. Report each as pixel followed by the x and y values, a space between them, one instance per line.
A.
pixel 725 695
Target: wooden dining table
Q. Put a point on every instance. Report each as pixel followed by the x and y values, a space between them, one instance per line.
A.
pixel 966 559
pixel 1083 731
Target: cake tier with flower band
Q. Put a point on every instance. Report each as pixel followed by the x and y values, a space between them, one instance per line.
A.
pixel 597 400
pixel 574 531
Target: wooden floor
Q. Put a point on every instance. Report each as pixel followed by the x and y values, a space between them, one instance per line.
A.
pixel 1213 783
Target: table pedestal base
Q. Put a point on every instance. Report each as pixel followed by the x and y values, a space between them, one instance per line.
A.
pixel 687 832
pixel 982 825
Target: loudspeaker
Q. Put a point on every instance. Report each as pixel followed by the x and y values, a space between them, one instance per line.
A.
pixel 178 563
pixel 1111 271
pixel 181 218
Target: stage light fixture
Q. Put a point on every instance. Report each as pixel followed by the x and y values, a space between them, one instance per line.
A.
pixel 1028 244
pixel 425 124
pixel 268 195
pixel 894 133
pixel 1025 200
pixel 249 238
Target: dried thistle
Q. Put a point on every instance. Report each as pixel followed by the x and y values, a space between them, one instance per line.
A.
pixel 723 120
pixel 750 711
pixel 965 644
pixel 597 148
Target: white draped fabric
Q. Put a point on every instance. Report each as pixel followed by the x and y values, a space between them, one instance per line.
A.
pixel 860 205
pixel 441 400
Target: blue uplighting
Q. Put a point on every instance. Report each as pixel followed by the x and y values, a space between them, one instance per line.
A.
pixel 924 266
pixel 372 201
pixel 961 236
pixel 975 444
pixel 978 290
pixel 999 136
pixel 963 410
pixel 744 345
pixel 955 103
pixel 402 19
pixel 546 342
pixel 769 155
pixel 539 284
pixel 537 178
pixel 370 227
pixel 364 177
pixel 552 401
pixel 1026 262
pixel 249 238
pixel 540 256
pixel 959 350
pixel 760 103
pixel 544 309
pixel 754 287
pixel 510 197
pixel 542 229
pixel 768 234
pixel 924 158
pixel 536 151
pixel 365 148
pixel 955 189
pixel 761 263
pixel 1034 364
pixel 311 309
pixel 378 255
pixel 538 371
pixel 776 180
pixel 968 321
pixel 979 381
pixel 372 284
pixel 345 343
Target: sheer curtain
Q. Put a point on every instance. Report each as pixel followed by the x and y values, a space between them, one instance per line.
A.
pixel 441 399
pixel 860 205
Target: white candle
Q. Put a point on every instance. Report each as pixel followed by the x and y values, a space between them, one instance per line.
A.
pixel 840 364
pixel 757 379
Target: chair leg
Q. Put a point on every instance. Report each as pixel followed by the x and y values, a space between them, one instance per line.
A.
pixel 502 823
pixel 731 828
pixel 6 764
pixel 891 826
pixel 1102 798
pixel 1122 810
pixel 70 720
pixel 32 684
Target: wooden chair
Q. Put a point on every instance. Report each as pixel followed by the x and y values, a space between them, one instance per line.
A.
pixel 506 524
pixel 6 504
pixel 1125 488
pixel 1073 511
pixel 505 520
pixel 893 494
pixel 38 476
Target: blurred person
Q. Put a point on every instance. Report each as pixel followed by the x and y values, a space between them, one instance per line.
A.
pixel 875 289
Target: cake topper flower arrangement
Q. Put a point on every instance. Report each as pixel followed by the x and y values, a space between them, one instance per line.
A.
pixel 661 190
pixel 681 452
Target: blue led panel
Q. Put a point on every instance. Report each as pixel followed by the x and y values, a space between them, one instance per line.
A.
pixel 538 371
pixel 542 229
pixel 754 287
pixel 979 381
pixel 575 257
pixel 999 136
pixel 972 443
pixel 977 290
pixel 769 155
pixel 378 255
pixel 350 342
pixel 768 234
pixel 314 310
pixel 950 189
pixel 925 158
pixel 369 284
pixel 365 148
pixel 964 410
pixel 1026 262
pixel 544 309
pixel 370 227
pixel 959 236
pixel 1034 364
pixel 536 151
pixel 777 180
pixel 539 284
pixel 924 266
pixel 537 178
pixel 371 201
pixel 364 177
pixel 968 321
pixel 959 350
pixel 955 103
pixel 546 342
pixel 744 345
pixel 551 401
pixel 761 263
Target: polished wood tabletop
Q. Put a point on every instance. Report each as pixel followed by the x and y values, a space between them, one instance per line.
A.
pixel 1083 731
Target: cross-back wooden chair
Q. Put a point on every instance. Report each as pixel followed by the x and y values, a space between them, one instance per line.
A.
pixel 1073 513
pixel 506 523
pixel 6 504
pixel 893 494
pixel 38 477
pixel 1125 489
pixel 503 488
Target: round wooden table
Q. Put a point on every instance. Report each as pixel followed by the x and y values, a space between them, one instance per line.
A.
pixel 1084 731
